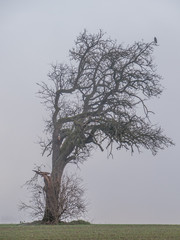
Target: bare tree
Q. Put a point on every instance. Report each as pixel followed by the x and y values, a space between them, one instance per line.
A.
pixel 71 198
pixel 98 100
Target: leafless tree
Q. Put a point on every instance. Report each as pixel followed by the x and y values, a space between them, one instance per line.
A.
pixel 98 100
pixel 72 203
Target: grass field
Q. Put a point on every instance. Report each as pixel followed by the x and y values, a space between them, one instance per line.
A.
pixel 90 232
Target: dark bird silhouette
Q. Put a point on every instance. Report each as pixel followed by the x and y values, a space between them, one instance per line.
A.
pixel 155 39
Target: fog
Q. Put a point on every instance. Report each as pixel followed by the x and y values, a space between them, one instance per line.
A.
pixel 138 188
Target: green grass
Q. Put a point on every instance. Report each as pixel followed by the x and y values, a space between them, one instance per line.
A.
pixel 90 232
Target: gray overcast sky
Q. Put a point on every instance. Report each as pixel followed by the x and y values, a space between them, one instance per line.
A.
pixel 128 188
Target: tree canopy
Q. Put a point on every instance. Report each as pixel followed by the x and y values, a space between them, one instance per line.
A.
pixel 97 98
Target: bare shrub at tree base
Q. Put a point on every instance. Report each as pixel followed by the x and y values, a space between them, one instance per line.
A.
pixel 72 204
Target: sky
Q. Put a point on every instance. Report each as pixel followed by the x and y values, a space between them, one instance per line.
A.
pixel 125 189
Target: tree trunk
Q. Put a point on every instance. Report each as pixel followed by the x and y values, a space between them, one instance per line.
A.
pixel 53 182
pixel 52 190
pixel 51 208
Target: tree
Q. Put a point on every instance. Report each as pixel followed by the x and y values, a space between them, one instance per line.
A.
pixel 97 101
pixel 71 201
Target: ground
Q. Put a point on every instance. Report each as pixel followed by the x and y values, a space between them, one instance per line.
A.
pixel 89 232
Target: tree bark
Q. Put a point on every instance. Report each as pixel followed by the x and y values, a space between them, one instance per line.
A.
pixel 53 183
pixel 52 190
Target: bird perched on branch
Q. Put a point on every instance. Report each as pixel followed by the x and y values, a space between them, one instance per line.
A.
pixel 155 40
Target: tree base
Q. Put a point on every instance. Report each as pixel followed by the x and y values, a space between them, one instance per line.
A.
pixel 49 218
